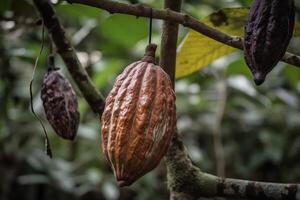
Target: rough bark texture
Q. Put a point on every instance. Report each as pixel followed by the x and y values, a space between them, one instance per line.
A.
pixel 168 62
pixel 184 19
pixel 60 104
pixel 187 180
pixel 169 41
pixel 68 54
pixel 268 32
pixel 138 119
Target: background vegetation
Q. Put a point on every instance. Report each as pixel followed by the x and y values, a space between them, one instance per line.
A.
pixel 219 108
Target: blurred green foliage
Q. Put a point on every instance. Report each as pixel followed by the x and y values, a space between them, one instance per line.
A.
pixel 259 128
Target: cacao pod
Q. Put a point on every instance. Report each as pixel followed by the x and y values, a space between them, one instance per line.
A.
pixel 138 119
pixel 268 31
pixel 60 104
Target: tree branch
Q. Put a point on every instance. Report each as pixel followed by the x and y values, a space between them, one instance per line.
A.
pixel 169 41
pixel 68 54
pixel 217 128
pixel 184 19
pixel 190 180
pixel 168 63
pixel 185 180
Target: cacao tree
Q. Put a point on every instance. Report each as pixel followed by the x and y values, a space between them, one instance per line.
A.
pixel 138 115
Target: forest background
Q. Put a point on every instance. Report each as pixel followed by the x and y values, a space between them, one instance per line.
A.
pixel 219 108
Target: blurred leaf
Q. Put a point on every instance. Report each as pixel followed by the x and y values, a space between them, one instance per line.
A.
pixel 78 11
pixel 125 30
pixel 33 179
pixel 20 8
pixel 292 75
pixel 5 5
pixel 238 67
pixel 287 97
pixel 243 84
pixel 87 132
pixel 297 29
pixel 106 70
pixel 110 191
pixel 197 51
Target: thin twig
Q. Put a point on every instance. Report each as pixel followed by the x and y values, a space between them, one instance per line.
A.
pixel 47 142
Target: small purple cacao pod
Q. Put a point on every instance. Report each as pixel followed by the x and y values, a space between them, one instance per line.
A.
pixel 268 32
pixel 60 104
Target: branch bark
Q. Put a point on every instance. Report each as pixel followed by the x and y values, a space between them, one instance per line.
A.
pixel 168 63
pixel 68 54
pixel 185 180
pixel 169 41
pixel 184 19
pixel 217 128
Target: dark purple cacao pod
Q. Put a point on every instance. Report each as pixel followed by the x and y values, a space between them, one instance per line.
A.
pixel 60 104
pixel 268 32
pixel 138 120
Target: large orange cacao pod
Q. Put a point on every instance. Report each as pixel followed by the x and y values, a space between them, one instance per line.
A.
pixel 138 120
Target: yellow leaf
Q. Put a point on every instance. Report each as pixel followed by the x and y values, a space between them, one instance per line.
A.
pixel 197 51
pixel 297 29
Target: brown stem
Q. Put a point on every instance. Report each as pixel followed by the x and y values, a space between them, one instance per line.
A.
pixel 169 41
pixel 217 129
pixel 168 63
pixel 149 55
pixel 184 19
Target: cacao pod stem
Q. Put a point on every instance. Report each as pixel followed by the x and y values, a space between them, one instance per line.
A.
pixel 149 55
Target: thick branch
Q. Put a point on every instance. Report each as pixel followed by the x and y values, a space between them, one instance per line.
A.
pixel 188 179
pixel 68 54
pixel 217 128
pixel 169 41
pixel 184 19
pixel 168 63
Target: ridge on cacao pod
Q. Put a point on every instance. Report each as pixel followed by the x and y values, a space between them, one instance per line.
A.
pixel 138 119
pixel 60 104
pixel 268 31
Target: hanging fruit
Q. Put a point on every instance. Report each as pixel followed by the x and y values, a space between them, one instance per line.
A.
pixel 60 104
pixel 139 119
pixel 268 32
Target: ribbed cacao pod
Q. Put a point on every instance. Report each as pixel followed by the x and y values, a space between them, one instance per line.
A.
pixel 268 32
pixel 138 120
pixel 60 104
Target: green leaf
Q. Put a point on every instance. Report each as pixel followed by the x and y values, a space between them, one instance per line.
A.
pixel 78 11
pixel 292 75
pixel 6 4
pixel 238 67
pixel 124 30
pixel 108 70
